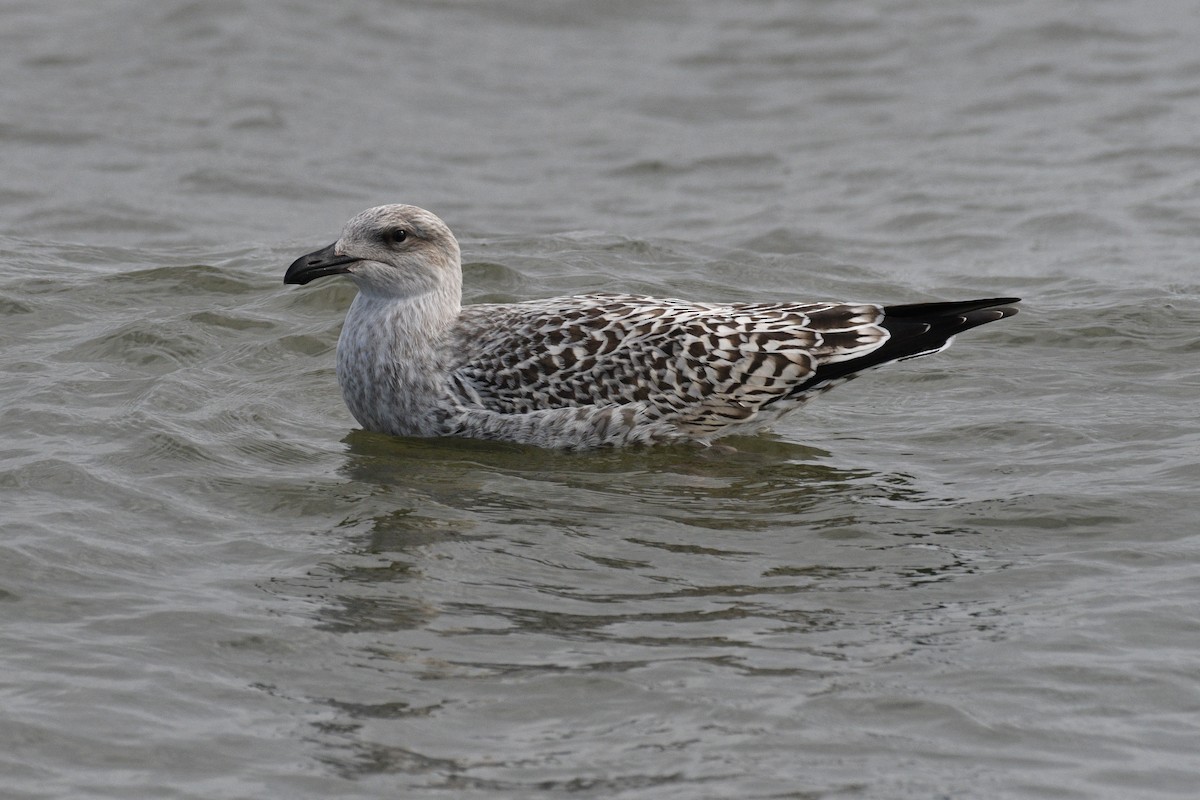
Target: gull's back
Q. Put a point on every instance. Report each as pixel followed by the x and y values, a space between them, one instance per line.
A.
pixel 704 369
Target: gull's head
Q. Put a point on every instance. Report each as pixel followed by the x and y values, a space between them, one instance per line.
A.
pixel 390 251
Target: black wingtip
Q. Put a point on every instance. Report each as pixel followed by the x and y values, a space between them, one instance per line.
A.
pixel 952 309
pixel 923 328
pixel 918 329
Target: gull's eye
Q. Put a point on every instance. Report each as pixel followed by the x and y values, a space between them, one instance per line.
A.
pixel 395 235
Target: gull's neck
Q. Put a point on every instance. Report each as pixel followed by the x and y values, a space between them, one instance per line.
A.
pixel 428 312
pixel 390 360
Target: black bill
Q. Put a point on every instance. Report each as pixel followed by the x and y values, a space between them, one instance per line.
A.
pixel 318 264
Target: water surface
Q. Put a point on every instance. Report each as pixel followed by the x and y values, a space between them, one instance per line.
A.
pixel 972 575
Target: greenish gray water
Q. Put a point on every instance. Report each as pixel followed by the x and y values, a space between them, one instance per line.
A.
pixel 971 575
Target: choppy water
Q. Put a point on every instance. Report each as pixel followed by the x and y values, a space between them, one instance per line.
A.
pixel 971 576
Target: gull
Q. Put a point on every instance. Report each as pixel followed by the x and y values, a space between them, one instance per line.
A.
pixel 589 370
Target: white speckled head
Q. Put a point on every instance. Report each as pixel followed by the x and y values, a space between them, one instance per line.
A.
pixel 401 251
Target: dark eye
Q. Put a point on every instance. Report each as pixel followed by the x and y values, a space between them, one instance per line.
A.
pixel 396 235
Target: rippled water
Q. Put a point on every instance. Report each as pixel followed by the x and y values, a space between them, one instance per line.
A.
pixel 970 576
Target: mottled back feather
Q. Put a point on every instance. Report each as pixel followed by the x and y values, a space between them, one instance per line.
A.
pixel 704 365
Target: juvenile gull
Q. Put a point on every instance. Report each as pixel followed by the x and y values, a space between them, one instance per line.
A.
pixel 591 370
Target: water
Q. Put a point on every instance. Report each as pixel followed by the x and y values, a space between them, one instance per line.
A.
pixel 971 576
